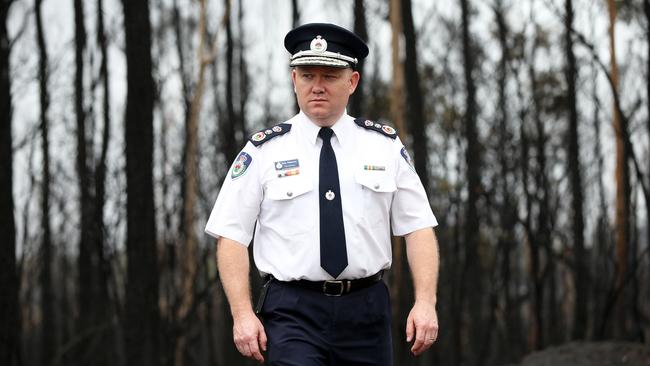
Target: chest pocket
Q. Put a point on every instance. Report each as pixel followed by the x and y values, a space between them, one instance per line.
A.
pixel 289 201
pixel 377 188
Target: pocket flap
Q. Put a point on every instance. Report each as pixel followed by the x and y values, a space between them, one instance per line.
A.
pixel 376 181
pixel 287 188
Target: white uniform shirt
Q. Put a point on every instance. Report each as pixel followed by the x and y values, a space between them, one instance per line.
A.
pixel 278 190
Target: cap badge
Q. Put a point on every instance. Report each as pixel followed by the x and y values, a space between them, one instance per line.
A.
pixel 318 44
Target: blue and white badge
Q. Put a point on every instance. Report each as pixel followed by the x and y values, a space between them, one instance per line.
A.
pixel 407 157
pixel 240 165
pixel 287 164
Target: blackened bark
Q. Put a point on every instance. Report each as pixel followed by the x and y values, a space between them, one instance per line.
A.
pixel 86 273
pixel 48 333
pixel 228 141
pixel 414 100
pixel 361 30
pixel 508 215
pixel 472 272
pixel 623 190
pixel 646 10
pixel 295 21
pixel 187 95
pixel 9 314
pixel 541 236
pixel 575 181
pixel 104 355
pixel 142 317
pixel 244 85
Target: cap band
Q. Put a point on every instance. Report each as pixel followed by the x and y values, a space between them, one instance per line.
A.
pixel 309 57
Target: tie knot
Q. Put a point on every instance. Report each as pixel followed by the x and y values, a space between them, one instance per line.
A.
pixel 325 133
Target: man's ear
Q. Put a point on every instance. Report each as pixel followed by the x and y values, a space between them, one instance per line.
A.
pixel 294 73
pixel 354 81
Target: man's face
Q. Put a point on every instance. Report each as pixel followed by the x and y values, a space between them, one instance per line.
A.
pixel 323 91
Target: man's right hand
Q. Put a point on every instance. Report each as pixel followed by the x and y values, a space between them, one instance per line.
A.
pixel 249 336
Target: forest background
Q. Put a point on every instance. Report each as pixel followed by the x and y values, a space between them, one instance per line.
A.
pixel 528 122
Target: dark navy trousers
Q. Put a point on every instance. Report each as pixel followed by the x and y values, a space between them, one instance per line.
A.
pixel 307 328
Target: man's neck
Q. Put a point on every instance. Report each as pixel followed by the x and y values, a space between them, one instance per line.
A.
pixel 329 122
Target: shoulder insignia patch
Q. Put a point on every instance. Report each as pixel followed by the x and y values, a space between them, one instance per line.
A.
pixel 262 136
pixel 385 130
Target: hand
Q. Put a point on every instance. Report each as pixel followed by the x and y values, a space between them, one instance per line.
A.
pixel 422 325
pixel 249 336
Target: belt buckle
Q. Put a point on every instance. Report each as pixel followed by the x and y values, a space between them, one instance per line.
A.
pixel 341 284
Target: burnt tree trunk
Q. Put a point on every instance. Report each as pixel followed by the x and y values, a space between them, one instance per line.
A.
pixel 244 85
pixel 575 181
pixel 360 29
pixel 142 316
pixel 105 353
pixel 9 311
pixel 295 21
pixel 540 236
pixel 646 10
pixel 622 176
pixel 229 141
pixel 512 347
pixel 472 297
pixel 87 321
pixel 414 98
pixel 48 332
pixel 398 271
pixel 187 95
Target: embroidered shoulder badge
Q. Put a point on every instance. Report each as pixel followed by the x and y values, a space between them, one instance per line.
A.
pixel 385 130
pixel 262 136
pixel 407 157
pixel 240 165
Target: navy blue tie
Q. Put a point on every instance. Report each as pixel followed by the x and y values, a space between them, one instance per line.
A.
pixel 333 255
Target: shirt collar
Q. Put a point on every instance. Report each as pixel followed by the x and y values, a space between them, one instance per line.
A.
pixel 311 129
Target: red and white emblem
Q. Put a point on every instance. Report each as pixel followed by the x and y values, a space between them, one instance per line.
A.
pixel 259 136
pixel 389 130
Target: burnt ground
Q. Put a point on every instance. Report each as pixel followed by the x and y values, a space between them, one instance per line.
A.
pixel 591 354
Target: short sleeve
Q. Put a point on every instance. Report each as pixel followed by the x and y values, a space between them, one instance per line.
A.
pixel 410 209
pixel 238 204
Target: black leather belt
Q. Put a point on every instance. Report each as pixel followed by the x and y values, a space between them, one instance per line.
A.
pixel 337 287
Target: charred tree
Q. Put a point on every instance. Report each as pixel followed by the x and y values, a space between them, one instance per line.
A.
pixel 360 29
pixel 472 297
pixel 508 215
pixel 398 271
pixel 87 279
pixel 623 190
pixel 295 21
pixel 48 332
pixel 244 85
pixel 104 353
pixel 9 310
pixel 190 256
pixel 414 97
pixel 646 10
pixel 575 181
pixel 229 138
pixel 142 317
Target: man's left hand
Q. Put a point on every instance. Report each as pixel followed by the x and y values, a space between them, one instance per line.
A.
pixel 422 325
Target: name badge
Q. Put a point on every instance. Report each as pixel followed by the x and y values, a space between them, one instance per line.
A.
pixel 287 168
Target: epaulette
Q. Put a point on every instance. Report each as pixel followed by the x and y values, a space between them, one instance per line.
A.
pixel 262 136
pixel 385 130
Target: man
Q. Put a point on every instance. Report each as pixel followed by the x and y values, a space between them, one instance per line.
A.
pixel 321 193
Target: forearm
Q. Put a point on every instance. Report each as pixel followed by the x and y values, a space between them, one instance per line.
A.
pixel 232 260
pixel 423 259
